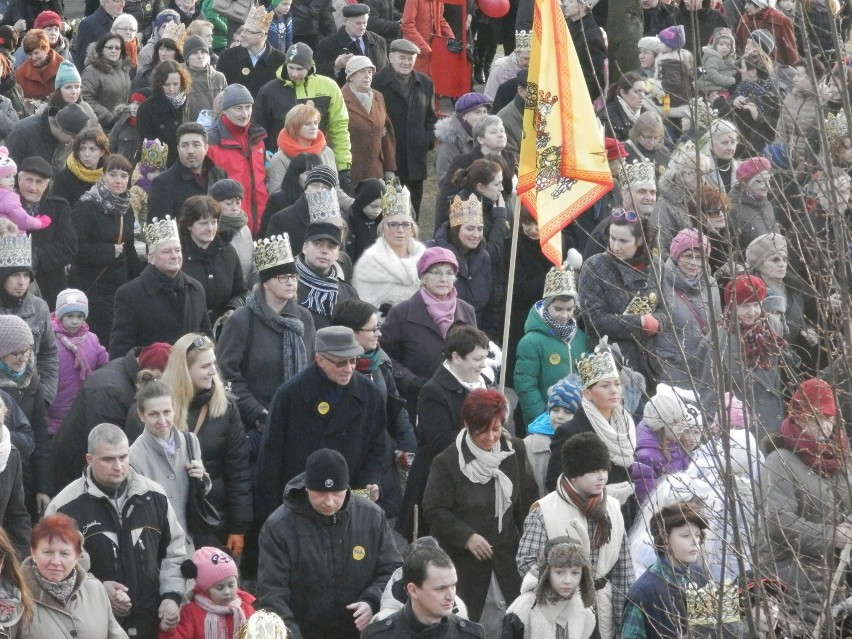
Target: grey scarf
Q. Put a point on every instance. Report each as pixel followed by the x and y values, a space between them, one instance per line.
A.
pixel 294 355
pixel 111 203
pixel 59 590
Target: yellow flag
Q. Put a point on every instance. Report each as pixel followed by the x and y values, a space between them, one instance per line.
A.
pixel 563 167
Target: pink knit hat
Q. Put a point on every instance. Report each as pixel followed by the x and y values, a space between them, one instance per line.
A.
pixel 211 566
pixel 736 414
pixel 8 168
pixel 687 240
pixel 436 255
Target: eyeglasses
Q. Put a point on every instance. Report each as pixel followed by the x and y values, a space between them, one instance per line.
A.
pixel 127 29
pixel 199 342
pixel 399 225
pixel 447 275
pixel 631 217
pixel 349 361
pixel 286 278
pixel 22 355
pixel 374 331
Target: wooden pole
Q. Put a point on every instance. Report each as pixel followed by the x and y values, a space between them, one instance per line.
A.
pixel 510 289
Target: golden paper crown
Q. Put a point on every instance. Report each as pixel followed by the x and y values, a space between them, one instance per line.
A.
pixel 273 251
pixel 638 172
pixel 599 365
pixel 322 206
pixel 154 154
pixel 259 19
pixel 175 31
pixel 560 282
pixel 642 304
pixel 396 200
pixel 16 250
pixel 523 40
pixel 702 604
pixel 836 127
pixel 160 231
pixel 465 211
pixel 264 625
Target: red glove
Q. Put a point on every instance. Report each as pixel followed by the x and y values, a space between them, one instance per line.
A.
pixel 45 220
pixel 650 324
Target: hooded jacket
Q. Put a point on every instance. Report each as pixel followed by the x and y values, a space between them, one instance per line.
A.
pixel 207 83
pixel 453 140
pixel 720 74
pixel 105 85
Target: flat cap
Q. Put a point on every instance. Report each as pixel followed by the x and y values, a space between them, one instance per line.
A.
pixel 38 165
pixel 404 46
pixel 355 10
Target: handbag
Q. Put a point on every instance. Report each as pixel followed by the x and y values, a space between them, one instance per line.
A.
pixel 236 10
pixel 202 518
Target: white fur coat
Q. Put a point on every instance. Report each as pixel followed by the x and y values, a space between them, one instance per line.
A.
pixel 382 277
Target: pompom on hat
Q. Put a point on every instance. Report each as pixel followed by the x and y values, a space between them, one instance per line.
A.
pixel 813 397
pixel 8 168
pixel 751 167
pixel 71 300
pixel 15 335
pixel 208 567
pixel 686 240
pixel 673 37
pixel 745 289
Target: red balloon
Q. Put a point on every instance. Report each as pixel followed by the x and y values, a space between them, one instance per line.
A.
pixel 494 8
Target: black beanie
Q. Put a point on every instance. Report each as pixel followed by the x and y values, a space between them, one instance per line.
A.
pixel 327 471
pixel 584 453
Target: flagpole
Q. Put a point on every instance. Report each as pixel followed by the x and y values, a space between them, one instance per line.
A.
pixel 510 289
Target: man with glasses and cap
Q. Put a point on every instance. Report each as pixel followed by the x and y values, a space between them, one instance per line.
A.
pixel 327 405
pixel 351 39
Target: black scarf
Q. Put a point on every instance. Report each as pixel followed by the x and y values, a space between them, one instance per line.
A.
pixel 322 297
pixel 111 203
pixel 291 329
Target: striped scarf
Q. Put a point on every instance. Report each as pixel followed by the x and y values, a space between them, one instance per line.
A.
pixel 322 297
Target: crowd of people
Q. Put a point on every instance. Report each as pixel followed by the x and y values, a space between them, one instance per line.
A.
pixel 246 386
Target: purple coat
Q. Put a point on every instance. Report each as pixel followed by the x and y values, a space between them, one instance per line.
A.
pixel 650 464
pixel 71 376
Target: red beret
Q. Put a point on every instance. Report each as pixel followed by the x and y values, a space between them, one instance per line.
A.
pixel 746 289
pixel 155 356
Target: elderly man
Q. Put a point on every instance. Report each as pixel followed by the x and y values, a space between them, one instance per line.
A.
pixel 47 136
pixel 351 39
pixel 93 27
pixel 255 62
pixel 132 536
pixel 326 405
pixel 193 174
pixel 410 102
pixel 323 589
pixel 162 304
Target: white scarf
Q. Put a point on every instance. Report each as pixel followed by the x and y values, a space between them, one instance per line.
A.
pixel 5 446
pixel 631 114
pixel 470 386
pixel 619 433
pixel 484 467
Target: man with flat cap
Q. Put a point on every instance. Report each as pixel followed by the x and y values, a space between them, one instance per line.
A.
pixel 351 39
pixel 47 136
pixel 410 103
pixel 326 554
pixel 327 405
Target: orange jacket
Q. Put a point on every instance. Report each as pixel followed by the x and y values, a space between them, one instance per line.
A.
pixel 37 83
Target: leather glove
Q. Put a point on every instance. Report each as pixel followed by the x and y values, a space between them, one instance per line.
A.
pixel 345 180
pixel 236 543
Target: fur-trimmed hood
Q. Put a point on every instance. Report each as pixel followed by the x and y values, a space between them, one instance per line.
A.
pixel 100 63
pixel 450 131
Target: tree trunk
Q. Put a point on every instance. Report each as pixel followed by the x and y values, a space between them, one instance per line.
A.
pixel 624 30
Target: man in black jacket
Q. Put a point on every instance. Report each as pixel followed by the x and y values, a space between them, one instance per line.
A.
pixel 350 40
pixel 255 62
pixel 162 304
pixel 47 136
pixel 192 174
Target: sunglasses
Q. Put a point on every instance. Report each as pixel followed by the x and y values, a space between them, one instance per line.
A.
pixel 631 217
pixel 349 361
pixel 200 342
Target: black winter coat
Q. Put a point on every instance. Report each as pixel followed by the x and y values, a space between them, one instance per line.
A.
pixel 147 311
pixel 32 137
pixel 144 11
pixel 218 270
pixel 332 46
pixel 90 29
pixel 68 186
pixel 413 118
pixel 54 248
pixel 384 19
pixel 176 184
pixel 403 624
pixel 235 61
pixel 355 426
pixel 314 18
pixel 660 17
pixel 13 512
pixel 706 21
pixel 616 122
pixel 158 119
pixel 312 566
pixel 105 397
pixel 292 220
pixel 591 49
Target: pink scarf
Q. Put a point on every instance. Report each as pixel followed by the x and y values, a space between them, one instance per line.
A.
pixel 442 312
pixel 215 623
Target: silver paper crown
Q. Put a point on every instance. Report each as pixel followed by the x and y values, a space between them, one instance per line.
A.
pixel 836 127
pixel 16 250
pixel 160 231
pixel 323 205
pixel 639 173
pixel 467 211
pixel 273 251
pixel 560 282
pixel 396 200
pixel 599 365
pixel 523 40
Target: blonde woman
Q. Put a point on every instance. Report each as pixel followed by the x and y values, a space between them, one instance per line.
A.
pixel 201 402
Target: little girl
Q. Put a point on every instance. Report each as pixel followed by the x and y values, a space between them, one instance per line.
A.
pixel 10 202
pixel 720 65
pixel 217 608
pixel 80 352
pixel 556 597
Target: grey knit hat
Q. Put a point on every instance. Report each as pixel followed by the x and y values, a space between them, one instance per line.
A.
pixel 225 190
pixel 15 335
pixel 764 247
pixel 300 54
pixel 193 44
pixel 72 119
pixel 235 94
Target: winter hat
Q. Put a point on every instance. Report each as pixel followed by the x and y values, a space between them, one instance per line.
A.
pixel 326 470
pixel 15 335
pixel 48 19
pixel 649 43
pixel 300 54
pixel 565 393
pixel 324 175
pixel 225 190
pixel 324 231
pixel 367 191
pixel 720 33
pixel 154 356
pixel 192 44
pixel 665 409
pixel 686 240
pixel 764 40
pixel 436 255
pixel 166 15
pixel 763 4
pixel 471 101
pixel 745 289
pixel 764 247
pixel 813 397
pixel 563 552
pixel 9 37
pixel 614 149
pixel 736 414
pixel 141 95
pixel 66 74
pixel 72 119
pixel 751 167
pixel 208 567
pixel 673 37
pixel 8 168
pixel 38 165
pixel 584 453
pixel 71 301
pixel 358 62
pixel 671 517
pixel 778 154
pixel 235 94
pixel 401 45
pixel 774 302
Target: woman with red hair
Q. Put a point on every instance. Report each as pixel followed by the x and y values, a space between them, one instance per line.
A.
pixel 806 495
pixel 750 350
pixel 68 602
pixel 479 491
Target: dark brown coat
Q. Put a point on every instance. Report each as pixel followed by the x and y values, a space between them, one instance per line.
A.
pixel 372 137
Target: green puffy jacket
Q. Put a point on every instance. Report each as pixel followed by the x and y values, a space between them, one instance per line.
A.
pixel 219 22
pixel 542 360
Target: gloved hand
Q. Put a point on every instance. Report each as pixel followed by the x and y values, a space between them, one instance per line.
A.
pixel 345 180
pixel 169 614
pixel 236 543
pixel 45 220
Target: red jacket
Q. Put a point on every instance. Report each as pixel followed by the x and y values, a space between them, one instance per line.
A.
pixel 418 27
pixel 38 83
pixel 779 26
pixel 249 169
pixel 192 616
